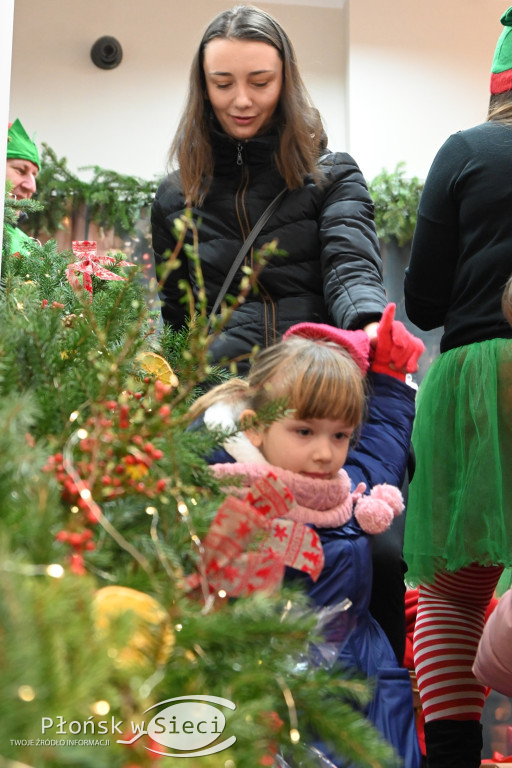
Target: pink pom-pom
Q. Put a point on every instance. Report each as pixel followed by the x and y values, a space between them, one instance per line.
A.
pixel 373 515
pixel 391 495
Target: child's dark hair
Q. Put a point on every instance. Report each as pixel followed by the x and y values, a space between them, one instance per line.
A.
pixel 317 380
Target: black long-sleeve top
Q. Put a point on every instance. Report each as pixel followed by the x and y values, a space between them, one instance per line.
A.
pixel 461 253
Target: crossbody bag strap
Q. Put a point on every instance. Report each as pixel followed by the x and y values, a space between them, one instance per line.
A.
pixel 247 245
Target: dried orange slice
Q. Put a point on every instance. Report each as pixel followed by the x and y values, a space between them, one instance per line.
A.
pixel 150 634
pixel 158 366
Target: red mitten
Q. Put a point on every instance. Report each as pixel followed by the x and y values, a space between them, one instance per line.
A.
pixel 397 351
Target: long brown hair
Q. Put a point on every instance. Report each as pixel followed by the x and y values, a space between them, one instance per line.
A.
pixel 298 122
pixel 316 379
pixel 500 107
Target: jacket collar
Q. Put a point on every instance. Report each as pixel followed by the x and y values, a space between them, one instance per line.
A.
pixel 256 151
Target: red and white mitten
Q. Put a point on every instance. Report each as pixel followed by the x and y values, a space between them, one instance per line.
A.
pixel 396 351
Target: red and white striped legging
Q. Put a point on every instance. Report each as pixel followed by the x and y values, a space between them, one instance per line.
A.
pixel 449 624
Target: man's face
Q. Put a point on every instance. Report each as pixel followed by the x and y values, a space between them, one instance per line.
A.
pixel 22 174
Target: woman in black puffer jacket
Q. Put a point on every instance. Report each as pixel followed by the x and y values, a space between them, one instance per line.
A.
pixel 249 130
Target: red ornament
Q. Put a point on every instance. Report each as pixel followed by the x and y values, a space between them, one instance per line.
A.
pixel 89 263
pixel 248 544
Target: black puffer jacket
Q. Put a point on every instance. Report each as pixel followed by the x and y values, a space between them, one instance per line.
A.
pixel 331 272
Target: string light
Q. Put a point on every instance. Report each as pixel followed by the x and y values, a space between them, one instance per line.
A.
pixel 26 693
pixel 55 570
pixel 101 707
pixel 292 711
pixel 182 508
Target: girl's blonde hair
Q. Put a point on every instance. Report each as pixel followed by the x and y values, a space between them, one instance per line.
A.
pixel 317 380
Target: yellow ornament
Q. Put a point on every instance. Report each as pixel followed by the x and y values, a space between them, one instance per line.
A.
pixel 151 636
pixel 158 366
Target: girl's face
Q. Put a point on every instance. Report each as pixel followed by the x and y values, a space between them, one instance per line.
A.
pixel 314 447
pixel 243 83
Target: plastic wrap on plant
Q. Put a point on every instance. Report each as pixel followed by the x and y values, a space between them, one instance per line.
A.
pixel 321 761
pixel 336 623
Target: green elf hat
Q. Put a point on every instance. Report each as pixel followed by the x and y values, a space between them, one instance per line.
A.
pixel 19 144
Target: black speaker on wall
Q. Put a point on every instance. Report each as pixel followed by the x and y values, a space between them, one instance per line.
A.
pixel 106 52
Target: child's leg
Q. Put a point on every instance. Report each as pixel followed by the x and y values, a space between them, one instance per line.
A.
pixel 448 627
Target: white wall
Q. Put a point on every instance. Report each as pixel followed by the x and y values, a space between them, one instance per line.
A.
pixel 419 71
pixel 6 33
pixel 392 79
pixel 124 118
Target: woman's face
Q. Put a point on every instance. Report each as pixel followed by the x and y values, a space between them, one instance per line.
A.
pixel 243 83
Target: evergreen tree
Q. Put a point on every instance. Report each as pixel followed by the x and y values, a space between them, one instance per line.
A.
pixel 107 608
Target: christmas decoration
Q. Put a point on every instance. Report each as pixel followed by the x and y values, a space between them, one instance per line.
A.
pixel 159 367
pixel 256 522
pixel 90 263
pixel 151 637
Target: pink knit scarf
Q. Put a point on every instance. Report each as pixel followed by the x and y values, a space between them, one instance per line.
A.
pixel 324 503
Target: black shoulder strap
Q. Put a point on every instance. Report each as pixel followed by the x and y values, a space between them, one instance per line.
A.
pixel 253 234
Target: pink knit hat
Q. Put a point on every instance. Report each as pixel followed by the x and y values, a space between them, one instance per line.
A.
pixel 357 343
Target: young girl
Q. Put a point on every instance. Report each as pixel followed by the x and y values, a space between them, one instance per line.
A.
pixel 320 372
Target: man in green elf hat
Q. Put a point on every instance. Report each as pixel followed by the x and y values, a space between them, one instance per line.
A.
pixel 22 167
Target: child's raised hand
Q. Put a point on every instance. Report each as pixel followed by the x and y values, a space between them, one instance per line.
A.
pixel 396 351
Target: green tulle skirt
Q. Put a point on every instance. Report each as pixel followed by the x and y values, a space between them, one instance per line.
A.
pixel 459 509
